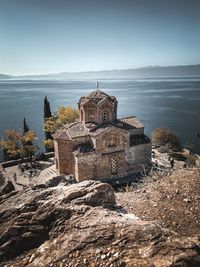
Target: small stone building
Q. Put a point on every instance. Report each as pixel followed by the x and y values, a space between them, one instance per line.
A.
pixel 100 146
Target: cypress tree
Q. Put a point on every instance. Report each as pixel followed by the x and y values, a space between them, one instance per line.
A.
pixel 47 109
pixel 25 130
pixel 47 114
pixel 25 126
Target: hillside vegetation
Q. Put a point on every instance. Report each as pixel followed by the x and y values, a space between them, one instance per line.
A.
pixel 173 201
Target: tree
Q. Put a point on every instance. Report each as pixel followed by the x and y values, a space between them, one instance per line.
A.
pixel 27 143
pixel 47 109
pixel 50 125
pixel 66 115
pixel 62 116
pixel 26 130
pixel 18 144
pixel 47 116
pixel 49 144
pixel 163 137
pixel 25 126
pixel 11 145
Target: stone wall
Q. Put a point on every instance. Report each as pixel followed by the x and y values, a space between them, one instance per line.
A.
pixel 99 165
pixel 137 131
pixel 104 167
pixel 112 151
pixel 107 151
pixel 85 166
pixel 64 157
pixel 139 154
pixel 81 140
pixel 90 112
pixel 111 140
pixel 15 162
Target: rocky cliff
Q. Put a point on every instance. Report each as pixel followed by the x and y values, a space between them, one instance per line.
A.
pixel 81 225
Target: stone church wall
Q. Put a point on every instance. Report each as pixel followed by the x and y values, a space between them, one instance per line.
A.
pixel 104 169
pixel 114 153
pixel 139 154
pixel 85 166
pixel 64 157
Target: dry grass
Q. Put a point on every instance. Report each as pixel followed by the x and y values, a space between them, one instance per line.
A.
pixel 153 176
pixel 172 200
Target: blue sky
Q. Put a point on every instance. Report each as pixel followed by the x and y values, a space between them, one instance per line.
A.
pixel 50 36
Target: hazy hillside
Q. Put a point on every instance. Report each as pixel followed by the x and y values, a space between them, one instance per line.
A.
pixel 3 76
pixel 146 72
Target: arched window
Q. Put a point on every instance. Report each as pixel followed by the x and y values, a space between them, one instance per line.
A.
pixel 113 162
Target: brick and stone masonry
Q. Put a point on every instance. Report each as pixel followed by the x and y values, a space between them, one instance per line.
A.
pixel 99 146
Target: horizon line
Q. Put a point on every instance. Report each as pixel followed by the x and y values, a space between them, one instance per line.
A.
pixel 101 70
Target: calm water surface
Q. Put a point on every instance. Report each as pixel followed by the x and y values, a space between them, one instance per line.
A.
pixel 173 103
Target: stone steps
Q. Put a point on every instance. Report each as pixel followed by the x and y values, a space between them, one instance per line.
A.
pixel 47 173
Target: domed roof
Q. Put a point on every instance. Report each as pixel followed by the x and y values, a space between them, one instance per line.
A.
pixel 98 96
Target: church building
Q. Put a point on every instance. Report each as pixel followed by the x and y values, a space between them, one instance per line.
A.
pixel 100 146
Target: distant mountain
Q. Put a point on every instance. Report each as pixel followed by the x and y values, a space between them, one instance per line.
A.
pixel 145 72
pixel 3 76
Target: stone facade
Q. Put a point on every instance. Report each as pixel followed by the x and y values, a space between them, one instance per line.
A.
pixel 99 146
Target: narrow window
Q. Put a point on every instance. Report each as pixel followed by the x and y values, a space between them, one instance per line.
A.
pixel 113 166
pixel 105 116
pixel 81 115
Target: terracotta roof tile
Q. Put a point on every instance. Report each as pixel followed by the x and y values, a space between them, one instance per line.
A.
pixel 61 135
pixel 97 96
pixel 132 121
pixel 78 129
pixel 70 131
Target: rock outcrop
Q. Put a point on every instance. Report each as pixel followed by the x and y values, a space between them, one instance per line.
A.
pixel 7 188
pixel 80 225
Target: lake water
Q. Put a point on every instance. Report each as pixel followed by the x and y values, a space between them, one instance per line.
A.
pixel 172 103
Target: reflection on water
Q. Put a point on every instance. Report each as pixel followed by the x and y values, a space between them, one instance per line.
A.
pixel 172 103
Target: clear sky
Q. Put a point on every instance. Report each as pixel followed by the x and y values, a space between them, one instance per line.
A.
pixel 50 36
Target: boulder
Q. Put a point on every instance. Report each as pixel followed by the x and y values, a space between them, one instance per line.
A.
pixel 55 181
pixel 80 225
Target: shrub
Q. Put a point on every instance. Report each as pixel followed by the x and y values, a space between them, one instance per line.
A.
pixel 18 144
pixel 163 137
pixel 191 160
pixel 49 144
